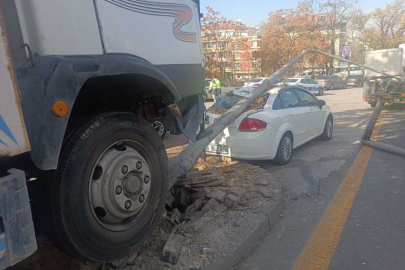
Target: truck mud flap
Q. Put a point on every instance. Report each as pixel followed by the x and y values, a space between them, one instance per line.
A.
pixel 17 235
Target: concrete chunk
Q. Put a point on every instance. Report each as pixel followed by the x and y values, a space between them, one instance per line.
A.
pixel 194 207
pixel 231 201
pixel 172 249
pixel 266 192
pixel 217 195
pixel 210 205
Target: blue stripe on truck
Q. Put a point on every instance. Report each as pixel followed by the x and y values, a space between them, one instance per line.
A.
pixel 3 246
pixel 7 131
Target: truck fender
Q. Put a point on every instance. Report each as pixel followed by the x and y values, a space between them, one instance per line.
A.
pixel 60 78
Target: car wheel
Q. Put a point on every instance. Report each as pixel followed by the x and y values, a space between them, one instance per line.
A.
pixel 373 104
pixel 109 190
pixel 160 127
pixel 344 86
pixel 320 92
pixel 328 130
pixel 285 149
pixel 332 87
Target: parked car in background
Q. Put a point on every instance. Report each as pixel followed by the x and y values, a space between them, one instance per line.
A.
pixel 224 89
pixel 287 118
pixel 332 82
pixel 355 80
pixel 254 82
pixel 306 83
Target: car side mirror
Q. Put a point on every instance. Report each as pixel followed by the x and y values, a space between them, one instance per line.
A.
pixel 321 103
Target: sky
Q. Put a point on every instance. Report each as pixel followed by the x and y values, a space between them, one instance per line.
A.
pixel 253 12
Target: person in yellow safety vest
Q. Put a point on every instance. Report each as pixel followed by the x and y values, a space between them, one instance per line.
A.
pixel 215 88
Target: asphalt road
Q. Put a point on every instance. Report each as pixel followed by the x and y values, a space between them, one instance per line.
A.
pixel 328 222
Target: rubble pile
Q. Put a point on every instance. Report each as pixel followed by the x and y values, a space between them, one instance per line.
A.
pixel 204 209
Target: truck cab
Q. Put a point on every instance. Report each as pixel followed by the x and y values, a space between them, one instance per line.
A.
pixel 85 80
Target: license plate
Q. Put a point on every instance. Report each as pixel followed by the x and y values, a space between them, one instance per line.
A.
pixel 218 149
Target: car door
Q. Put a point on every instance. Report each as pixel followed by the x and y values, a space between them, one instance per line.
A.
pixel 314 115
pixel 295 115
pixel 313 85
pixel 304 83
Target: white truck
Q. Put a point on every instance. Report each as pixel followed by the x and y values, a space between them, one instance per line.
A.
pixel 389 61
pixel 81 82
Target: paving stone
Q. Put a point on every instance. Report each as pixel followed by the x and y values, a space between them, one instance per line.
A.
pixel 231 201
pixel 210 205
pixel 194 207
pixel 217 195
pixel 172 249
pixel 266 192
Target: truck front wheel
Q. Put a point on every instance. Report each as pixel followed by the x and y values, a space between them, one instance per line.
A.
pixel 110 188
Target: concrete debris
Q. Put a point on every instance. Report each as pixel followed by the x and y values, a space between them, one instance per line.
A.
pixel 170 200
pixel 206 180
pixel 172 249
pixel 217 195
pixel 221 208
pixel 210 205
pixel 238 193
pixel 194 207
pixel 231 201
pixel 202 195
pixel 205 250
pixel 193 174
pixel 176 216
pixel 266 192
pixel 264 182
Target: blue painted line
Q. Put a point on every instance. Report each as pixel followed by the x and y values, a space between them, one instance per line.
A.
pixel 7 131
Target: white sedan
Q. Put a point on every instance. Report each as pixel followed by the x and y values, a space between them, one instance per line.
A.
pixel 306 83
pixel 254 82
pixel 288 118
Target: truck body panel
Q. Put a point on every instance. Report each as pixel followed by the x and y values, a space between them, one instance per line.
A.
pixel 50 28
pixel 388 61
pixel 13 135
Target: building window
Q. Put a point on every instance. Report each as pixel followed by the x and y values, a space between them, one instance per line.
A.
pixel 237 56
pixel 237 65
pixel 254 44
pixel 321 18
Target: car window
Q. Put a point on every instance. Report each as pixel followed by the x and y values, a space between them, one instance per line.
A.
pixel 307 99
pixel 289 99
pixel 304 81
pixel 311 81
pixel 223 85
pixel 291 80
pixel 277 104
pixel 255 81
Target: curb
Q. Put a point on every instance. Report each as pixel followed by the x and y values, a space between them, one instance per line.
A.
pixel 268 214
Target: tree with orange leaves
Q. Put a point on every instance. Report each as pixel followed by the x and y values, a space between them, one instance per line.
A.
pixel 288 32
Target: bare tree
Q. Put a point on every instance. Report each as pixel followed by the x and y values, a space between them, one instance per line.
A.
pixel 383 28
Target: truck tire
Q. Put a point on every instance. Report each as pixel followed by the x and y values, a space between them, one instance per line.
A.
pixel 109 190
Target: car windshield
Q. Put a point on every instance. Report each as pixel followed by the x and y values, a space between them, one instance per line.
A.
pixel 255 80
pixel 291 80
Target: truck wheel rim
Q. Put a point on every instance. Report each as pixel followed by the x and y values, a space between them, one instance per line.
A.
pixel 120 186
pixel 286 147
pixel 159 127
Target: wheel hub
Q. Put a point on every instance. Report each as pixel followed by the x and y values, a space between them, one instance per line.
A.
pixel 121 187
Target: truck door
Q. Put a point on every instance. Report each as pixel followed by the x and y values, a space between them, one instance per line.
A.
pixel 13 135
